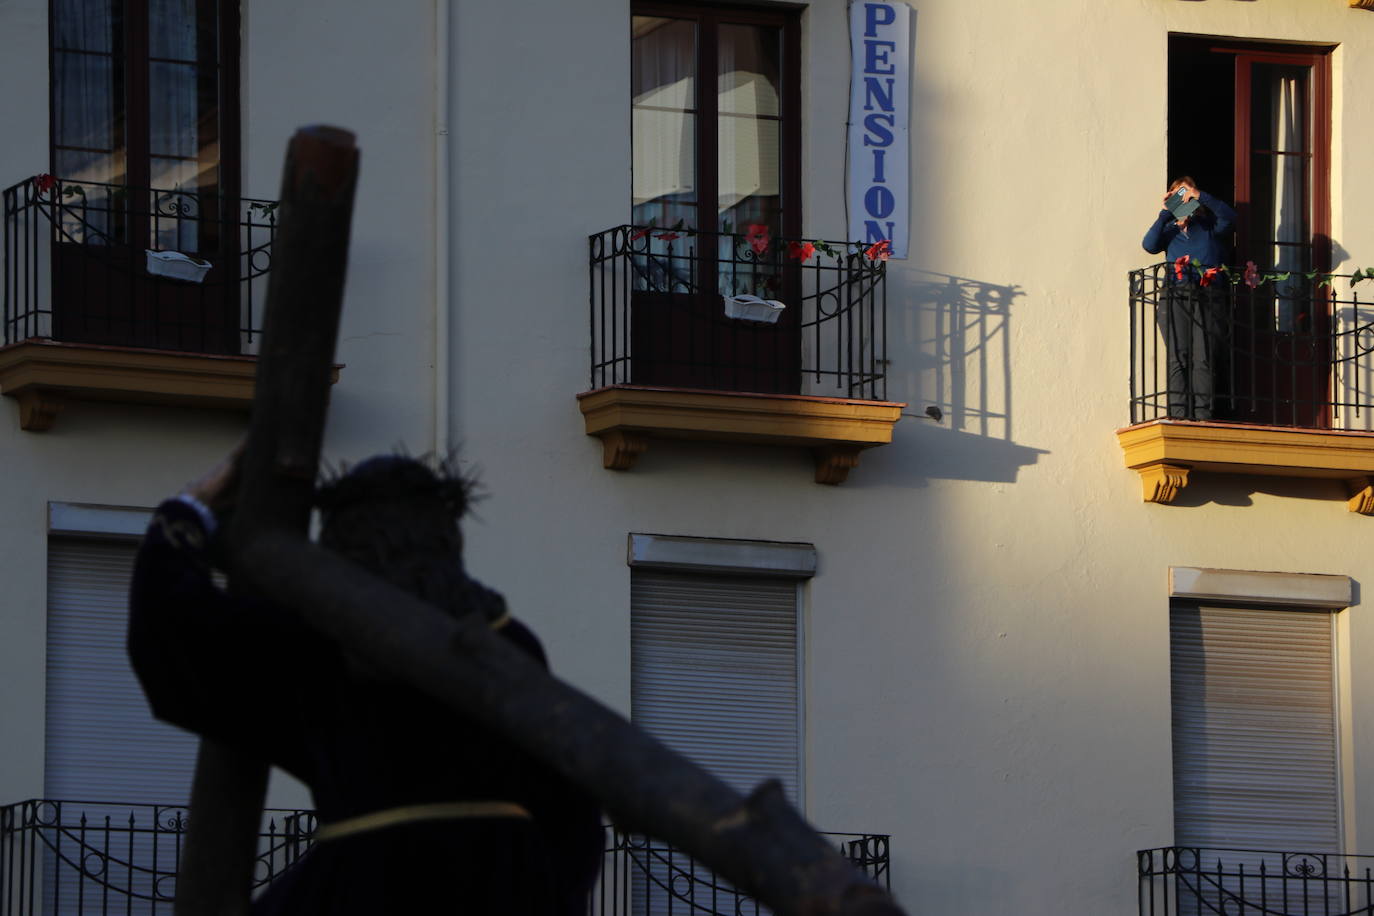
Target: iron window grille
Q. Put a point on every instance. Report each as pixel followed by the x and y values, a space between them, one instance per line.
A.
pixel 76 267
pixel 1199 880
pixel 1293 352
pixel 658 313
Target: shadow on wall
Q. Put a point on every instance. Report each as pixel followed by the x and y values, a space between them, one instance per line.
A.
pixel 959 380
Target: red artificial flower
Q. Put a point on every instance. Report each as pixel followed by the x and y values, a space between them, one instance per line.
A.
pixel 800 251
pixel 879 251
pixel 1208 276
pixel 758 237
pixel 641 233
pixel 45 183
pixel 668 236
pixel 1180 265
pixel 1252 277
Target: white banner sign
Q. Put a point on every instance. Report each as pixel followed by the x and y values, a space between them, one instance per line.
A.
pixel 878 191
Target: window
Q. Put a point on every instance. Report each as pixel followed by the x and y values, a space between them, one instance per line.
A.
pixel 145 142
pixel 715 673
pixel 1252 124
pixel 1255 735
pixel 716 139
pixel 105 757
pixel 715 641
pixel 103 743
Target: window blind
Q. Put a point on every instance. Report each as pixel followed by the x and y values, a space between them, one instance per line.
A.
pixel 714 672
pixel 102 743
pixel 1254 729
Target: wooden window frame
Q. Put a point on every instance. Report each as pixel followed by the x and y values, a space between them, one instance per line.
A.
pixel 708 17
pixel 131 112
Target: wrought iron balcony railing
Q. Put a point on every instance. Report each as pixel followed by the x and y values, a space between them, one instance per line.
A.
pixel 1187 880
pixel 645 877
pixel 60 857
pixel 666 310
pixel 100 858
pixel 1291 350
pixel 77 266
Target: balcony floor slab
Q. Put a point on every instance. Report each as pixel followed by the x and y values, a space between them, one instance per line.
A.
pixel 627 417
pixel 1164 452
pixel 44 374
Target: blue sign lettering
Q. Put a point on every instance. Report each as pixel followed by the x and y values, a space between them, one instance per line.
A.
pixel 874 231
pixel 873 92
pixel 873 124
pixel 875 56
pixel 879 202
pixel 872 12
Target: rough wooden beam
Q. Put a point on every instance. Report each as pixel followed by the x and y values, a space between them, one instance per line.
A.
pixel 277 477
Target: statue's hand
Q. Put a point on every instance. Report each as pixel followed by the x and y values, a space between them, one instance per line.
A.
pixel 216 487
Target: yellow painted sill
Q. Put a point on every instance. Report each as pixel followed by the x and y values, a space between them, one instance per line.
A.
pixel 627 417
pixel 42 375
pixel 1163 452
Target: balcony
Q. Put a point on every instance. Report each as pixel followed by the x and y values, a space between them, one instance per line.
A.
pixel 103 858
pixel 1186 880
pixel 89 314
pixel 678 353
pixel 640 876
pixel 100 858
pixel 1272 377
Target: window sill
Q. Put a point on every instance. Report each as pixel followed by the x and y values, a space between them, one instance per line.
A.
pixel 42 375
pixel 1163 452
pixel 627 417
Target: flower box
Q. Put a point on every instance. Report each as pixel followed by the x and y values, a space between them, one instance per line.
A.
pixel 753 309
pixel 177 266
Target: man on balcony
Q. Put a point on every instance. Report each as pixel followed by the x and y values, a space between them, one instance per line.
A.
pixel 1192 314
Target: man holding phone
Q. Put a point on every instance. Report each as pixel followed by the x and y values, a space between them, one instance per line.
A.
pixel 1196 227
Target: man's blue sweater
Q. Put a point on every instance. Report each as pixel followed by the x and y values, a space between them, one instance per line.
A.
pixel 1206 239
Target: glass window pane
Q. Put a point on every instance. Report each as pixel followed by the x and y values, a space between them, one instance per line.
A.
pixel 83 166
pixel 84 99
pixel 749 64
pixel 748 160
pixel 86 25
pixel 663 121
pixel 664 151
pixel 663 62
pixel 173 110
pixel 174 27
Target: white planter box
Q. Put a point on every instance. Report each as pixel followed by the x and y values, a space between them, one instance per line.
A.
pixel 177 266
pixel 753 309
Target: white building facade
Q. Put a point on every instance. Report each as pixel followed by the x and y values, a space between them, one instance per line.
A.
pixel 890 549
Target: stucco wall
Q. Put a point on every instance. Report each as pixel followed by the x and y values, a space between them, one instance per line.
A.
pixel 987 638
pixel 355 64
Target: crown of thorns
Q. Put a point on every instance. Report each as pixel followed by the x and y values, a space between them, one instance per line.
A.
pixel 428 482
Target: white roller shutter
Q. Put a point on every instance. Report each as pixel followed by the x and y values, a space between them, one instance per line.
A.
pixel 102 743
pixel 714 672
pixel 1254 729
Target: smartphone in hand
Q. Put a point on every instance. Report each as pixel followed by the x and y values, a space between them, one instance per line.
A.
pixel 1180 208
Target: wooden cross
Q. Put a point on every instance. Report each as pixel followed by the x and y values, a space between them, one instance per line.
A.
pixel 759 843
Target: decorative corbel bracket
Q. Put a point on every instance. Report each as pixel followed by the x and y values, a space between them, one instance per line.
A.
pixel 620 448
pixel 1361 490
pixel 38 409
pixel 834 463
pixel 1161 482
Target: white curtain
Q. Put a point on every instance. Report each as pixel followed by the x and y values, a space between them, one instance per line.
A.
pixel 1288 101
pixel 664 87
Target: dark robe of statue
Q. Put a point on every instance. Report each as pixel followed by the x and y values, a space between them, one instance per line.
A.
pixel 421 810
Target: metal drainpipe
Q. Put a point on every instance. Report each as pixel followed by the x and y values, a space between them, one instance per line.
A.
pixel 442 259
